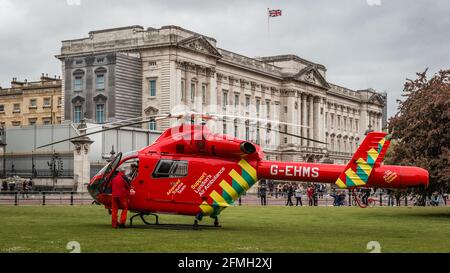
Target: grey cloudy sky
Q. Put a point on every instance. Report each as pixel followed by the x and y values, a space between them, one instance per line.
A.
pixel 363 43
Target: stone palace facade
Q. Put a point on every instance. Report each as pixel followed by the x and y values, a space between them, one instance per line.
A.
pixel 121 73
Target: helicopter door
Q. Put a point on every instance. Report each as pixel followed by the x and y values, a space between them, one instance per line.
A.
pixel 167 179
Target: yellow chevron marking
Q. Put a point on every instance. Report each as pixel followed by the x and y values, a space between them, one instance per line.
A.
pixel 206 208
pixel 373 154
pixel 364 166
pixel 239 179
pixel 219 199
pixel 354 177
pixel 248 168
pixel 229 189
pixel 382 141
pixel 341 184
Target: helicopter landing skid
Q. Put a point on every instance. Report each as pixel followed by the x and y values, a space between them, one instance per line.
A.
pixel 156 224
pixel 141 215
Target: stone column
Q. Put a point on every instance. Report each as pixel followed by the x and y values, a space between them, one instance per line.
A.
pixel 311 119
pixel 362 121
pixel 316 118
pixel 322 119
pixel 304 116
pixel 81 162
pixel 291 119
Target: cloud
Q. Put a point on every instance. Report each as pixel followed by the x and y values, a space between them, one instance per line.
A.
pixel 362 44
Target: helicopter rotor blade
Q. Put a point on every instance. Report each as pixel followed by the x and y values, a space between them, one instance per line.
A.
pixel 149 118
pixel 258 119
pixel 288 134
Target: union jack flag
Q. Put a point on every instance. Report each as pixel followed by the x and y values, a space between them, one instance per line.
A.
pixel 274 12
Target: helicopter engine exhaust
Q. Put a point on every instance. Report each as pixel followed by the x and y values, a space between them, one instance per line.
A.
pixel 229 148
pixel 247 147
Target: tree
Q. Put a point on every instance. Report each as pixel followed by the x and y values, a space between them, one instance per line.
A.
pixel 421 128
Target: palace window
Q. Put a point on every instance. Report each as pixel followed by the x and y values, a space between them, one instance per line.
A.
pixel 204 93
pixel 192 91
pixel 152 65
pixel 224 128
pixel 332 121
pixel 152 125
pixel 267 136
pixel 258 102
pixel 225 100
pixel 33 103
pixel 247 104
pixel 47 121
pixel 32 121
pixel 15 123
pixel 152 88
pixel 78 83
pixel 16 108
pixel 356 125
pixel 268 109
pixel 235 129
pixel 100 82
pixel 59 101
pixel 257 135
pixel 77 114
pixel 183 90
pixel 100 113
pixel 247 133
pixel 47 102
pixel 2 108
pixel 236 101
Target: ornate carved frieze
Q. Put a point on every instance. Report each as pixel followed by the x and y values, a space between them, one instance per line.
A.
pixel 243 82
pixel 288 92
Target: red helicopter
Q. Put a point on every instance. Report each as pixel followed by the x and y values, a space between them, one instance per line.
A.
pixel 189 170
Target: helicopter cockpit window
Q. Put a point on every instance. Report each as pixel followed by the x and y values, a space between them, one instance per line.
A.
pixel 170 168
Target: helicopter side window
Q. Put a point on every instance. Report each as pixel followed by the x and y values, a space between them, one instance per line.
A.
pixel 170 168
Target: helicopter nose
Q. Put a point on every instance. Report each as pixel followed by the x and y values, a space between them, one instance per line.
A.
pixel 415 177
pixel 94 187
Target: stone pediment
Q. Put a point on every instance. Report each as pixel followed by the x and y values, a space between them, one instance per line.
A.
pixel 200 44
pixel 78 98
pixel 311 75
pixel 377 99
pixel 100 97
pixel 151 110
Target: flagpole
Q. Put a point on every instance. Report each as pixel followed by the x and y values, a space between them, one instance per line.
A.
pixel 268 25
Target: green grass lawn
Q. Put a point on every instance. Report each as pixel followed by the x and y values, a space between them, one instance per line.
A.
pixel 244 229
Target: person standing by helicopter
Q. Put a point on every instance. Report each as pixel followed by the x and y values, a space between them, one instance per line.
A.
pixel 120 197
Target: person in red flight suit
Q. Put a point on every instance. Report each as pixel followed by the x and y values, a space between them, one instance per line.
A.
pixel 120 197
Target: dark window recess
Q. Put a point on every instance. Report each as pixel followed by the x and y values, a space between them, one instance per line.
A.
pixel 180 149
pixel 170 168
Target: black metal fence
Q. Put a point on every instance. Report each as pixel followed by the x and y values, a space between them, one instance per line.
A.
pixel 44 198
pixel 73 198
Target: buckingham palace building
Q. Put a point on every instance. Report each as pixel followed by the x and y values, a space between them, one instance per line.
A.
pixel 121 73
